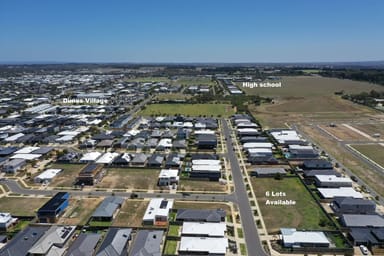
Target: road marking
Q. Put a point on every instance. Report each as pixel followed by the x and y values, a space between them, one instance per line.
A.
pixel 359 132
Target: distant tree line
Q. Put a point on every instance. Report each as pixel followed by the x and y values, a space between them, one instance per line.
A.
pixel 365 98
pixel 368 75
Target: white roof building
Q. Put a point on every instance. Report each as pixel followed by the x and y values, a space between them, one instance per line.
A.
pixel 257 145
pixel 6 220
pixel 157 210
pixel 208 245
pixel 210 229
pixel 329 193
pixel 293 238
pixel 332 181
pixel 26 156
pixel 205 162
pixel 285 136
pixel 168 177
pixel 26 150
pixel 165 143
pixel 206 167
pixel 90 157
pixel 204 132
pixel 14 137
pixel 107 158
pixel 47 175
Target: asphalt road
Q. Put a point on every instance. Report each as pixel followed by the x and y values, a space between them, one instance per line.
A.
pixel 252 239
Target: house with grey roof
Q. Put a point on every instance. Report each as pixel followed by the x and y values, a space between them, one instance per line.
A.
pixel 139 159
pixel 84 245
pixel 362 220
pixel 14 165
pixel 23 241
pixel 115 242
pixel 156 160
pixel 201 215
pixel 267 171
pixel 350 205
pixel 107 208
pixel 53 241
pixel 147 243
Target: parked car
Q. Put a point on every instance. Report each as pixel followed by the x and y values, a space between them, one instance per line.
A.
pixel 364 249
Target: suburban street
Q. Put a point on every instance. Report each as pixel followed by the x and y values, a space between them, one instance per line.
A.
pixel 14 187
pixel 254 246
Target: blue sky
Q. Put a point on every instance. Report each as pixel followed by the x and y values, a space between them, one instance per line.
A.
pixel 191 31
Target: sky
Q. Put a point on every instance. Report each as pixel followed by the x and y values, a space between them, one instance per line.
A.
pixel 191 31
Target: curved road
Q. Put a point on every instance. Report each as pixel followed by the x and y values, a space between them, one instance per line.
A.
pixel 252 239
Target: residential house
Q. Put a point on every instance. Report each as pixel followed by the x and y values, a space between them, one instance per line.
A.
pixel 53 241
pixel 206 141
pixel 147 242
pixel 90 175
pixel 201 215
pixel 6 220
pixel 268 172
pixel 293 238
pixel 350 205
pixel 115 243
pixel 85 244
pixel 23 241
pixel 107 208
pixel 332 181
pixel 168 177
pixel 14 165
pixel 203 246
pixel 157 212
pixel 139 159
pixel 155 160
pixel 52 209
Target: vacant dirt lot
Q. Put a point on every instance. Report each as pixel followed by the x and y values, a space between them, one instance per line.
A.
pixel 201 185
pixel 343 133
pixel 79 211
pixel 129 178
pixel 312 86
pixel 201 205
pixel 68 176
pixel 21 206
pixel 371 128
pixel 131 213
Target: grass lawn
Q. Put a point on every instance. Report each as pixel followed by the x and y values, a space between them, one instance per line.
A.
pixel 306 214
pixel 201 185
pixel 372 151
pixel 79 211
pixel 170 247
pixel 22 206
pixel 240 232
pixel 224 110
pixel 243 249
pixel 130 178
pixel 174 230
pixel 67 177
pixel 201 205
pixel 100 223
pixel 131 213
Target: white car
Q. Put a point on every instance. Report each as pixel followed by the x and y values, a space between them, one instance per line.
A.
pixel 364 249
